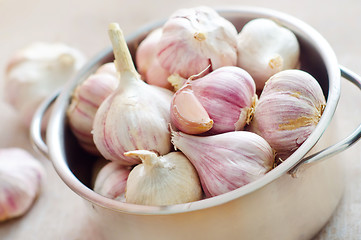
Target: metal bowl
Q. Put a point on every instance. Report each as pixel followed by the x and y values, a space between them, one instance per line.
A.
pixel 277 206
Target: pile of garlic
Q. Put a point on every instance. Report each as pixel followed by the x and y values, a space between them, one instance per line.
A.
pixel 191 125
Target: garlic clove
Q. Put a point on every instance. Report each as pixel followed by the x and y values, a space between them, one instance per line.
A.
pixel 21 178
pixel 162 180
pixel 188 114
pixel 36 71
pixel 226 161
pixel 288 110
pixel 86 100
pixel 111 181
pixel 193 39
pixel 135 116
pixel 265 48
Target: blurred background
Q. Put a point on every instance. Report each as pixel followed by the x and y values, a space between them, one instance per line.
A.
pixel 83 25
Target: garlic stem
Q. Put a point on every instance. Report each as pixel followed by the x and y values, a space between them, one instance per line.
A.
pixel 148 158
pixel 123 60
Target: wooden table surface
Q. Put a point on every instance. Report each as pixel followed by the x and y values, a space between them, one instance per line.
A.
pixel 83 25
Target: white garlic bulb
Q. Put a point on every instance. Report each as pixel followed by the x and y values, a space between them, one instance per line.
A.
pixel 288 110
pixel 195 38
pixel 162 180
pixel 200 105
pixel 36 71
pixel 226 161
pixel 135 116
pixel 85 102
pixel 21 178
pixel 265 48
pixel 111 181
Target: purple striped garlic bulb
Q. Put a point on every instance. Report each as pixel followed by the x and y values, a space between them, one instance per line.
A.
pixel 112 180
pixel 222 101
pixel 135 115
pixel 195 38
pixel 85 102
pixel 226 161
pixel 288 110
pixel 147 63
pixel 21 179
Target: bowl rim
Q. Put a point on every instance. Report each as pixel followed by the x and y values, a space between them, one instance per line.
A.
pixel 55 130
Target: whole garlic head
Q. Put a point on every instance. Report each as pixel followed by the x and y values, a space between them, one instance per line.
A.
pixel 226 161
pixel 147 63
pixel 265 48
pixel 162 180
pixel 288 110
pixel 85 102
pixel 199 106
pixel 21 177
pixel 135 116
pixel 36 71
pixel 193 39
pixel 111 181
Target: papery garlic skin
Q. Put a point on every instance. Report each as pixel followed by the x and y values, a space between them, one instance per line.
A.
pixel 135 116
pixel 112 180
pixel 36 71
pixel 288 110
pixel 21 178
pixel 86 100
pixel 228 94
pixel 226 161
pixel 147 63
pixel 193 39
pixel 162 180
pixel 265 48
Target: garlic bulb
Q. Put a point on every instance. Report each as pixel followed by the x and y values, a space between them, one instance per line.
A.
pixel 193 39
pixel 165 180
pixel 226 161
pixel 36 71
pixel 135 116
pixel 86 100
pixel 288 110
pixel 147 63
pixel 111 181
pixel 223 98
pixel 265 48
pixel 21 177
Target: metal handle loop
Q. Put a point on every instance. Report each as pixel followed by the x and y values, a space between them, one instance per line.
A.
pixel 344 143
pixel 36 136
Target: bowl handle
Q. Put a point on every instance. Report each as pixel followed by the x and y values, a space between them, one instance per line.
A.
pixel 344 143
pixel 36 133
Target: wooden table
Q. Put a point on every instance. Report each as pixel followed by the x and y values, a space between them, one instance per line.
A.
pixel 83 24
